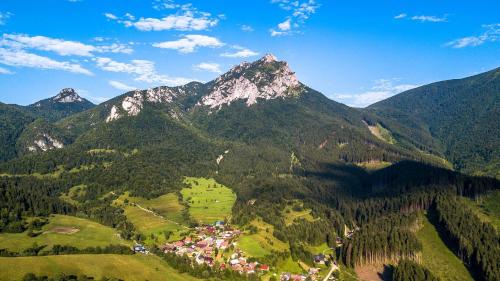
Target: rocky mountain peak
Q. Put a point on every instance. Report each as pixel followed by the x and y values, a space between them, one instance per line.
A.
pixel 265 79
pixel 67 95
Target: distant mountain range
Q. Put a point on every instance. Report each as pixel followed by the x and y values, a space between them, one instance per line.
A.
pixel 262 106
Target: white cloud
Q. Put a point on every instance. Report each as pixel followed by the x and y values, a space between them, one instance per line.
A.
pixel 5 71
pixel 165 5
pixel 21 58
pixel 190 43
pixel 382 89
pixel 208 66
pixel 491 34
pixel 429 18
pixel 285 26
pixel 400 16
pixel 121 86
pixel 300 11
pixel 110 16
pixel 60 46
pixel 240 53
pixel 143 70
pixel 189 20
pixel 4 16
pixel 246 28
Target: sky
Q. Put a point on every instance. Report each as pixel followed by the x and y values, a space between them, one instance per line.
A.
pixel 354 52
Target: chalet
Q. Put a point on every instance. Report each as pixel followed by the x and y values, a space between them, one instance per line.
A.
pixel 264 267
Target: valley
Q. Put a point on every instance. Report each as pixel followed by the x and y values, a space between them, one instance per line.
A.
pixel 251 176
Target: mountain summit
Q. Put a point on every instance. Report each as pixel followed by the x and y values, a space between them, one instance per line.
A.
pixel 65 103
pixel 266 78
pixel 67 95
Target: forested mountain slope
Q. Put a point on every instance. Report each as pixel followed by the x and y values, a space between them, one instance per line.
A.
pixel 12 123
pixel 459 118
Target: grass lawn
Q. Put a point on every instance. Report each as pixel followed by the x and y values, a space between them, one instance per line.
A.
pixel 125 267
pixel 80 233
pixel 488 209
pixel 437 257
pixel 147 222
pixel 208 200
pixel 262 242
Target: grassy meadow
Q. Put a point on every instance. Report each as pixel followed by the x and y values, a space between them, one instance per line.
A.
pixel 124 267
pixel 154 216
pixel 63 230
pixel 437 257
pixel 488 208
pixel 261 243
pixel 208 200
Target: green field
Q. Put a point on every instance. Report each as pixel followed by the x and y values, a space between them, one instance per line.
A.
pixel 125 267
pixel 140 212
pixel 488 209
pixel 63 230
pixel 208 200
pixel 261 243
pixel 437 257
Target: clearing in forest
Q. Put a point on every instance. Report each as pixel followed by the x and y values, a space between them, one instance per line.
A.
pixel 208 200
pixel 437 257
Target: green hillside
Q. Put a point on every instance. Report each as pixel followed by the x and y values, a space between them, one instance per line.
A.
pixel 458 118
pixel 124 267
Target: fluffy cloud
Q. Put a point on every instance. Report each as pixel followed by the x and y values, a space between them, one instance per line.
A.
pixel 59 46
pixel 208 66
pixel 121 86
pixel 190 43
pixel 299 12
pixel 383 88
pixel 20 58
pixel 285 26
pixel 187 20
pixel 240 53
pixel 143 70
pixel 429 18
pixel 491 34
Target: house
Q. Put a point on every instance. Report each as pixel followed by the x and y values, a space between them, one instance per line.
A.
pixel 319 259
pixel 264 267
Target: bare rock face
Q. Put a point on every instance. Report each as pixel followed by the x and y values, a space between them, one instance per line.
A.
pixel 264 79
pixel 67 95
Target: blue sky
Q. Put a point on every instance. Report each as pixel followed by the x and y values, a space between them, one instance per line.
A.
pixel 355 52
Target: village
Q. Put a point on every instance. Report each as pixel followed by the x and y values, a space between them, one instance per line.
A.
pixel 216 245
